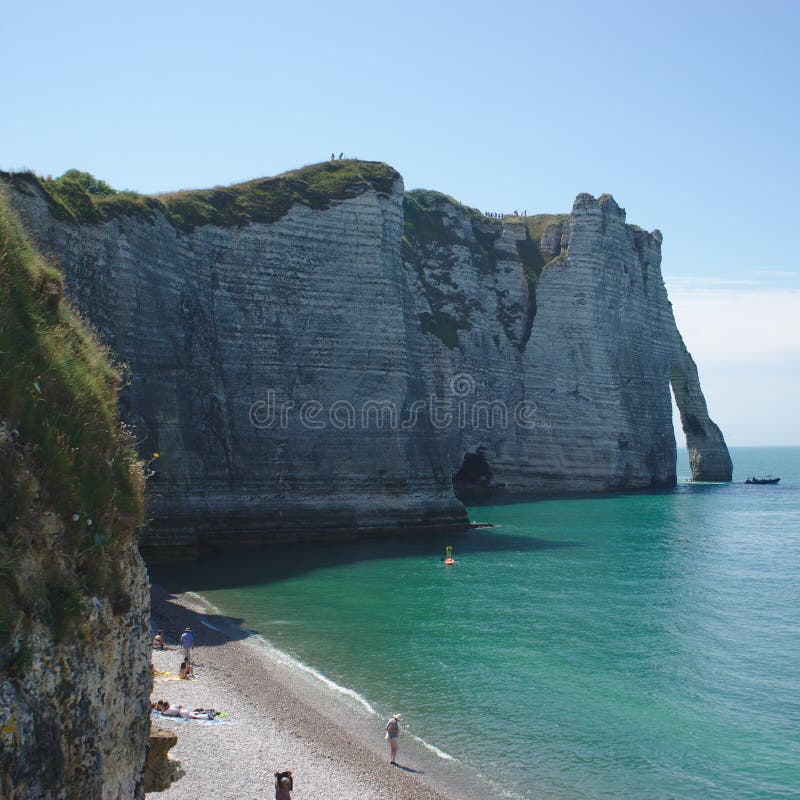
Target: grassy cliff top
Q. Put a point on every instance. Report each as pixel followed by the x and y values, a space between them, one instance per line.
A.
pixel 63 450
pixel 537 223
pixel 81 198
pixel 426 198
pixel 424 225
pixel 424 201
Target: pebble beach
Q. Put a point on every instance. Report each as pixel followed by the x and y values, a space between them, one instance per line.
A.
pixel 277 717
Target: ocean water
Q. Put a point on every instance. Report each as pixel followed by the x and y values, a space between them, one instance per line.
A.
pixel 643 646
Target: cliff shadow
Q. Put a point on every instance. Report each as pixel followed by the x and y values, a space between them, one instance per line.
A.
pixel 283 560
pixel 211 630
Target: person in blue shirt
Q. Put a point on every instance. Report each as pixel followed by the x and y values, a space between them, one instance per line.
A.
pixel 187 642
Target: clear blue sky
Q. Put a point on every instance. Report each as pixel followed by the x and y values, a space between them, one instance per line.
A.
pixel 688 114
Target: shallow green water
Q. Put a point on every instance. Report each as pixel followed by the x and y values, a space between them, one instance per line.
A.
pixel 638 646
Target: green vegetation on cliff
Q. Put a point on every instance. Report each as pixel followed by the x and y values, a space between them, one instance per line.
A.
pixel 536 223
pixel 67 466
pixel 425 232
pixel 83 199
pixel 424 220
pixel 425 226
pixel 434 222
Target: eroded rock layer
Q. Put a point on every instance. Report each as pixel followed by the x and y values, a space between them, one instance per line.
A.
pixel 328 370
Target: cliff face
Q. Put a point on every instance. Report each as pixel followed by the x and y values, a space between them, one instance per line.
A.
pixel 74 605
pixel 569 323
pixel 75 677
pixel 331 364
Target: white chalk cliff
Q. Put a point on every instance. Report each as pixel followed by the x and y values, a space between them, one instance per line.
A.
pixel 263 354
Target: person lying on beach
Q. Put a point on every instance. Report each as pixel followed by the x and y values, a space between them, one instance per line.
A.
pixel 186 671
pixel 177 710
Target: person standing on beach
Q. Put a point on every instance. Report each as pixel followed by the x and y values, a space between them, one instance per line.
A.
pixel 187 643
pixel 393 734
pixel 283 785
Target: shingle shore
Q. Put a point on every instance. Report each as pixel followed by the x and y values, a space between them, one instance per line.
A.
pixel 278 719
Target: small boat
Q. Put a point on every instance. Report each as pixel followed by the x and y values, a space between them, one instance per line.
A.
pixel 761 481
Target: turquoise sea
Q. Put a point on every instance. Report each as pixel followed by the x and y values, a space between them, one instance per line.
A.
pixel 635 646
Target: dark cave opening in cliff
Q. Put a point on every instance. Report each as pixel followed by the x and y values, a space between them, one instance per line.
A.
pixel 473 481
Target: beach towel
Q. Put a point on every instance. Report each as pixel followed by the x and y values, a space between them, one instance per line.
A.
pixel 218 715
pixel 215 721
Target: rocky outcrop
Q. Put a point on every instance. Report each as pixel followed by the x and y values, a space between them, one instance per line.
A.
pixel 75 677
pixel 554 240
pixel 74 605
pixel 161 770
pixel 326 369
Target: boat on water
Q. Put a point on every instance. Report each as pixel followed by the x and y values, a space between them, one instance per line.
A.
pixel 759 481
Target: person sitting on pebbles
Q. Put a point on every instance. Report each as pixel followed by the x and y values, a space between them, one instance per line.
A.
pixel 159 643
pixel 187 670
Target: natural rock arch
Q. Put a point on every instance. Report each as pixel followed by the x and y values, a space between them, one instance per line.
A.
pixel 708 454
